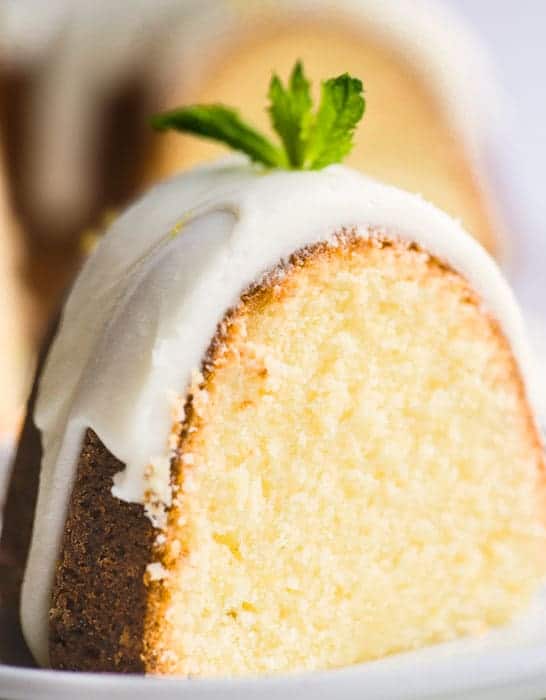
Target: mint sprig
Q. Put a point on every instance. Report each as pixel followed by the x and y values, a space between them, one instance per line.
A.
pixel 310 140
pixel 290 112
pixel 222 124
pixel 330 137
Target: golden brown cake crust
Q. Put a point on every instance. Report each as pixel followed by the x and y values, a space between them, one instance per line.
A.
pixel 99 597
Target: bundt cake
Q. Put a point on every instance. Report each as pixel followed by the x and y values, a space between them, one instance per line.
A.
pixel 285 422
pixel 432 106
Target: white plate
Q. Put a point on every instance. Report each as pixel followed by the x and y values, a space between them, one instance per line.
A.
pixel 504 676
pixel 506 664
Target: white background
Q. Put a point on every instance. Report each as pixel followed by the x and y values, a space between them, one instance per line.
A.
pixel 515 33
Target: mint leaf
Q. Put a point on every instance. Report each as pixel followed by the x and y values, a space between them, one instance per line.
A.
pixel 290 109
pixel 330 136
pixel 222 124
pixel 309 140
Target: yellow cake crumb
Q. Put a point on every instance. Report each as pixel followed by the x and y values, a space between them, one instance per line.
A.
pixel 363 476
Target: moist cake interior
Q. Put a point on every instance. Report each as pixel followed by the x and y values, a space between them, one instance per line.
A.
pixel 344 485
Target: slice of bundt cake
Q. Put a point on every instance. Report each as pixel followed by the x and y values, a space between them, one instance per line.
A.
pixel 291 432
pixel 285 423
pixel 429 86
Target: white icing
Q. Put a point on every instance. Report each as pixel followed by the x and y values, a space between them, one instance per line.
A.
pixel 92 45
pixel 146 305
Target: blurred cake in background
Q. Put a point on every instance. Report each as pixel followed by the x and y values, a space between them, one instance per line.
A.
pixel 430 101
pixel 81 78
pixel 71 123
pixel 15 367
pixel 536 325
